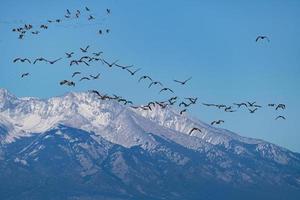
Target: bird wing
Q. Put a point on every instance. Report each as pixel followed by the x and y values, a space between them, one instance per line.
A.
pixel 188 79
pixel 150 84
pixel 178 81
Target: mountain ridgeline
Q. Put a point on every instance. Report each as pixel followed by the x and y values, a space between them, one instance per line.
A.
pixel 80 147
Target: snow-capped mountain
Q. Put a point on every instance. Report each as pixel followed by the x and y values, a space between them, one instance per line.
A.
pixel 83 140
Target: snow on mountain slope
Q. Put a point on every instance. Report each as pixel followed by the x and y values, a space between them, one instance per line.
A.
pixel 119 124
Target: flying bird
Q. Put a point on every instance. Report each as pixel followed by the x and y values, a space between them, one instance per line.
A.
pixel 282 106
pixel 96 92
pixel 68 12
pixel 184 104
pixel 84 50
pixel 91 17
pixel 262 37
pixel 66 82
pixel 95 77
pixel 98 53
pixel 209 104
pixel 22 60
pixel 69 55
pixel 145 77
pixel 251 104
pixel 183 82
pixel 72 62
pixel 217 122
pixel 166 89
pixel 84 78
pixel 40 60
pixel 183 111
pixel 280 117
pixel 25 74
pixel 87 9
pixel 192 100
pixel 54 61
pixel 155 83
pixel 108 11
pixel 252 111
pixel 75 73
pixel 240 104
pixel 132 73
pixel 110 64
pixel 194 129
pixel 123 67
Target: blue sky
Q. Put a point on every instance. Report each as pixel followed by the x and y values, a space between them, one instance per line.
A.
pixel 212 41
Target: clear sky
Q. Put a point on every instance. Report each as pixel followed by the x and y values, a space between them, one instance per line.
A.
pixel 212 41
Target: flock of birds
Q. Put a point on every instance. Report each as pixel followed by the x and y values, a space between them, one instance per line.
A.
pixel 87 58
pixel 29 28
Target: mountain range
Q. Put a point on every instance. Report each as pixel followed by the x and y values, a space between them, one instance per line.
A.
pixel 78 147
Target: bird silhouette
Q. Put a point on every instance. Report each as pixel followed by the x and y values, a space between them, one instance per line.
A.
pixel 228 108
pixel 24 75
pixel 123 67
pixel 161 104
pixel 72 62
pixel 54 61
pixel 166 89
pixel 252 111
pixel 184 104
pixel 75 73
pixel 183 82
pixel 282 106
pixel 69 55
pixel 40 60
pixel 95 77
pixel 68 12
pixel 132 73
pixel 91 17
pixel 194 129
pixel 84 50
pixel 66 82
pixel 145 77
pixel 155 83
pixel 44 26
pixel 110 64
pixel 84 62
pixel 280 117
pixel 217 122
pixel 240 104
pixel 22 60
pixel 192 100
pixel 262 37
pixel 251 104
pixel 183 111
pixel 108 11
pixel 98 53
pixel 96 92
pixel 209 104
pixel 221 106
pixel 87 9
pixel 85 78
